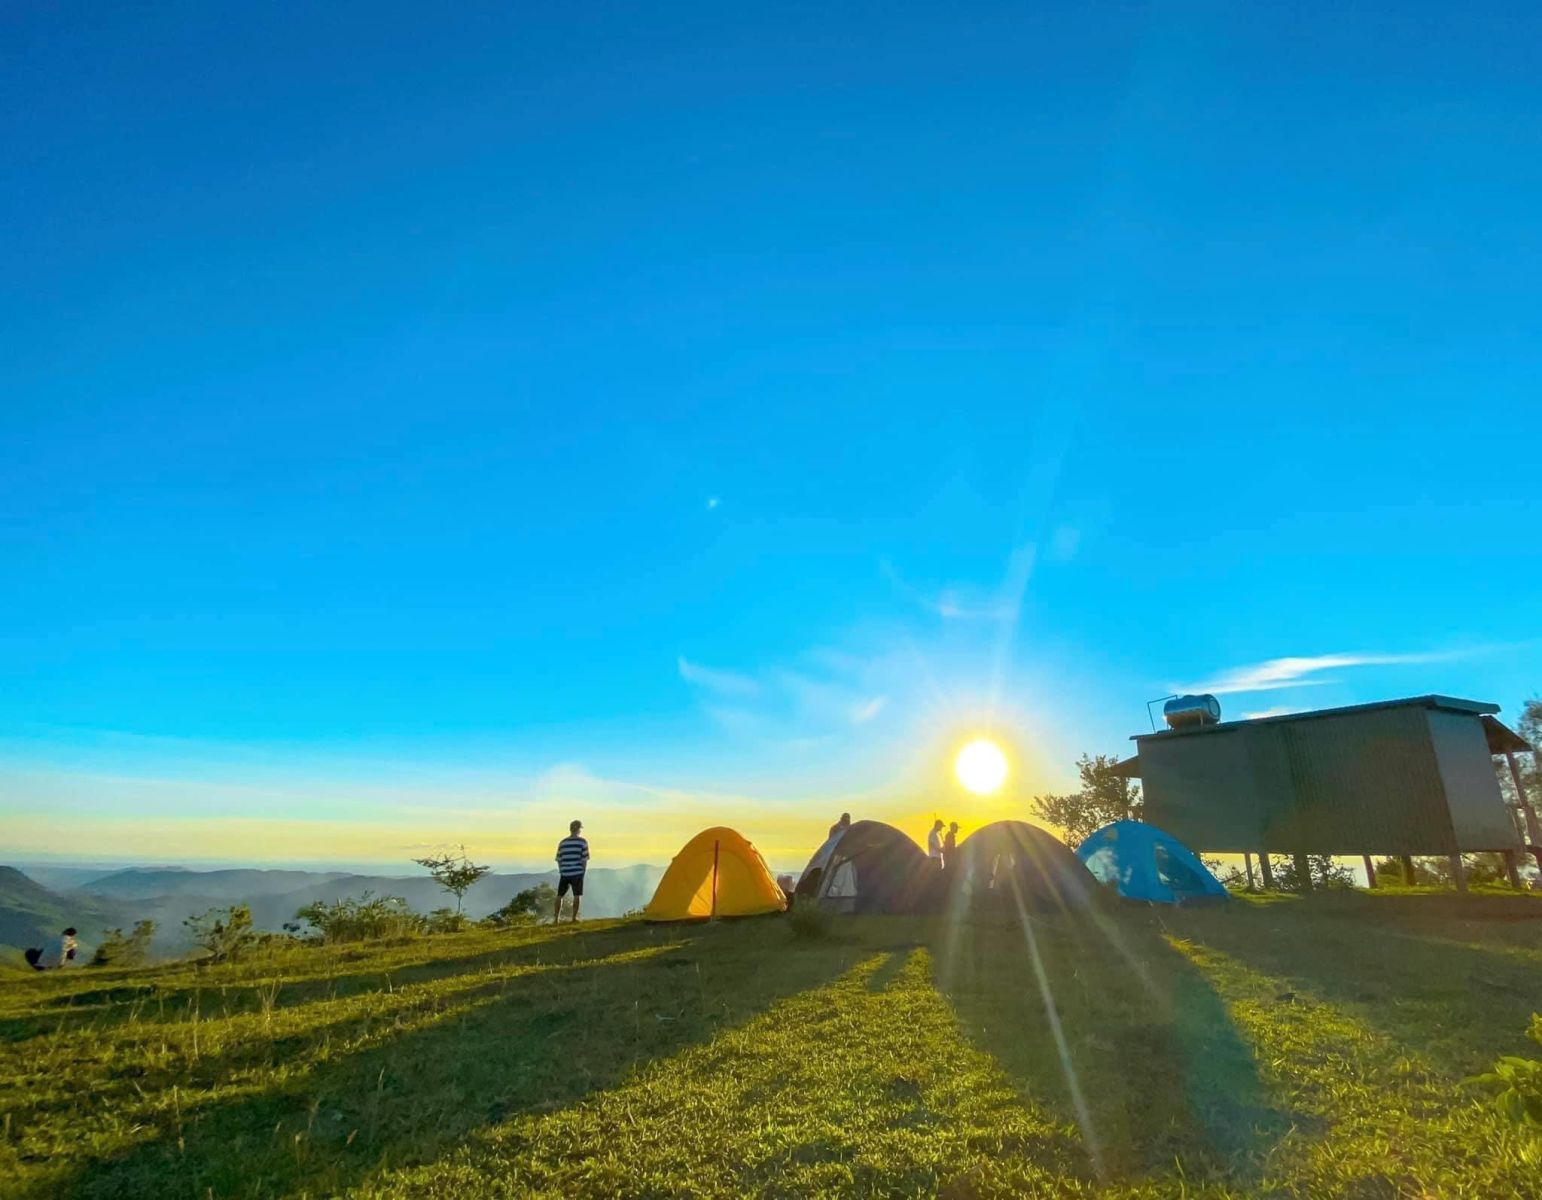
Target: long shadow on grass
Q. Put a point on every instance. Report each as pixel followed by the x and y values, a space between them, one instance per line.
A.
pixel 1421 977
pixel 129 999
pixel 859 1087
pixel 547 1041
pixel 1147 1060
pixel 293 1039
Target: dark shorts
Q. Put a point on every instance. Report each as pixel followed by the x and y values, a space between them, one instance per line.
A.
pixel 570 883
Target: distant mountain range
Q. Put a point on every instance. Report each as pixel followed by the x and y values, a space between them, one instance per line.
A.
pixel 30 912
pixel 93 902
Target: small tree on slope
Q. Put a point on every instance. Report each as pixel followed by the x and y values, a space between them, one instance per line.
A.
pixel 453 871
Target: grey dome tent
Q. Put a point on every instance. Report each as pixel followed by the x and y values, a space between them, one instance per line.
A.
pixel 869 867
pixel 1012 864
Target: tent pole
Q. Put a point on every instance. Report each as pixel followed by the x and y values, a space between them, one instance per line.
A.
pixel 714 880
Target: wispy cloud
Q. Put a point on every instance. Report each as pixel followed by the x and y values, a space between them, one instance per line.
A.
pixel 814 699
pixel 724 683
pixel 866 711
pixel 962 602
pixel 1278 710
pixel 1303 671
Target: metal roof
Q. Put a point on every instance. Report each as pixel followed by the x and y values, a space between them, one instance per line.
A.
pixel 1446 703
pixel 1502 739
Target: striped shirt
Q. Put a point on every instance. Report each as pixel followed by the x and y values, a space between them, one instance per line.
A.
pixel 572 856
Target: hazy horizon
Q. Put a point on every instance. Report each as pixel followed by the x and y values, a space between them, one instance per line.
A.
pixel 357 867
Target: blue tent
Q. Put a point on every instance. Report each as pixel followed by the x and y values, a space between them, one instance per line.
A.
pixel 1148 865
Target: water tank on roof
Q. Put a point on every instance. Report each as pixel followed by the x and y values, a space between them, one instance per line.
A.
pixel 1185 712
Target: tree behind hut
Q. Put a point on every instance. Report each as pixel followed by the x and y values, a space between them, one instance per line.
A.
pixel 454 872
pixel 1104 797
pixel 1529 726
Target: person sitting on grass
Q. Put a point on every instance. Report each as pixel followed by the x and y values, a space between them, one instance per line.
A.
pixel 54 953
pixel 572 861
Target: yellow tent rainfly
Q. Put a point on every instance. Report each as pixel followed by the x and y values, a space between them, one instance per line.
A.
pixel 716 874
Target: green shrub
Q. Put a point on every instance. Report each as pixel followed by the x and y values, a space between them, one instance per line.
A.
pixel 363 918
pixel 446 920
pixel 226 933
pixel 1325 873
pixel 1516 1084
pixel 1436 872
pixel 118 949
pixel 527 906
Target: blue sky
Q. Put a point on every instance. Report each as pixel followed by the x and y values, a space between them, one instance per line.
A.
pixel 420 422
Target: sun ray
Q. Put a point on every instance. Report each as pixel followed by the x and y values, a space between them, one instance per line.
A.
pixel 1052 1014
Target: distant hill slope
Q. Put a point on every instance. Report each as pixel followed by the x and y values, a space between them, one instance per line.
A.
pixel 240 884
pixel 63 878
pixel 29 912
pixel 169 895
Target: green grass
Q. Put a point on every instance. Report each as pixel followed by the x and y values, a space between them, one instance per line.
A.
pixel 1288 1048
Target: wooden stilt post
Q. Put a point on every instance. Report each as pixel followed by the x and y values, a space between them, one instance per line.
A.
pixel 1511 872
pixel 1408 869
pixel 1247 862
pixel 1458 873
pixel 1303 870
pixel 1528 813
pixel 1370 870
pixel 1266 869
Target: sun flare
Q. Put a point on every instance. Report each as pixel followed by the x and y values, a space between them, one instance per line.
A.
pixel 981 766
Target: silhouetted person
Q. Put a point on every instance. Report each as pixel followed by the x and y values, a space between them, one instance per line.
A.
pixel 950 846
pixel 840 826
pixel 934 844
pixel 54 953
pixel 572 862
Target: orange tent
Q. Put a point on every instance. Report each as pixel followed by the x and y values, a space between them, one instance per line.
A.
pixel 716 874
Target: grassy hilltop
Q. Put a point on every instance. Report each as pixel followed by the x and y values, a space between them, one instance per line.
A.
pixel 1295 1047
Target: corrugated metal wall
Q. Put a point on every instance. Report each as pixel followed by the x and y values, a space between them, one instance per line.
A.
pixel 1478 812
pixel 1367 782
pixel 1202 794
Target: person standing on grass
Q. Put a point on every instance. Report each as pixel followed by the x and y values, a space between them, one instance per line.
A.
pixel 934 845
pixel 572 862
pixel 55 952
pixel 950 846
pixel 840 826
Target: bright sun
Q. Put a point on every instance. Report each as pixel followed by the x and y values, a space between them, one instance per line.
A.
pixel 981 766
